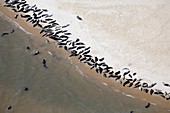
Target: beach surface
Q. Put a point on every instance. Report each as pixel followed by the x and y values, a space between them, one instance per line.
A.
pixel 61 88
pixel 129 34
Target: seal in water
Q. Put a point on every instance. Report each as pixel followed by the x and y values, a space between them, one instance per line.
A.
pixel 9 108
pixel 148 105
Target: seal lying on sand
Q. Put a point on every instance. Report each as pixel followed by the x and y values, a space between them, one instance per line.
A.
pixel 16 16
pixel 166 84
pixel 78 17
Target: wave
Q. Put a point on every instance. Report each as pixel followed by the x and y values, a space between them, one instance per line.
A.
pixel 78 69
pixel 104 83
pixel 128 95
pixel 153 104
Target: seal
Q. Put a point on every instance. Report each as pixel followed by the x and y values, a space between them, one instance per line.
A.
pixel 148 105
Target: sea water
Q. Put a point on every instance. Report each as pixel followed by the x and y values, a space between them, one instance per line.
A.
pixel 60 88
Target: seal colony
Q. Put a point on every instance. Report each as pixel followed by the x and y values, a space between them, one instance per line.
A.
pixel 53 30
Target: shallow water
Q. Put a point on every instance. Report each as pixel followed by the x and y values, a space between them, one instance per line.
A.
pixel 57 89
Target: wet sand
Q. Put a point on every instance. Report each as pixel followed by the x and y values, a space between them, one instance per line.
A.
pixel 93 80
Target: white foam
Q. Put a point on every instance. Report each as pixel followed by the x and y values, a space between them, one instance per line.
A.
pixel 153 104
pixel 116 90
pixel 49 53
pixel 104 83
pixel 128 95
pixel 78 69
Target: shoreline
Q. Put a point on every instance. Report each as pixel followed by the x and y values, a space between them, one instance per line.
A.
pixel 138 55
pixel 85 69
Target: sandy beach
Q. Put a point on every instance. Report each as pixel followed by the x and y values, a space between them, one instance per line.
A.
pixel 133 36
pixel 128 35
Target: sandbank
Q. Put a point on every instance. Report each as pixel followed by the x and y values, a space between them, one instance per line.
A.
pixel 118 41
pixel 128 34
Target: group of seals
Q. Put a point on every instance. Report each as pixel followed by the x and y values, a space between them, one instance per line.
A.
pixel 50 28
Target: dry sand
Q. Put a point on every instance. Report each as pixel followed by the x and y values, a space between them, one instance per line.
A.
pixel 130 34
